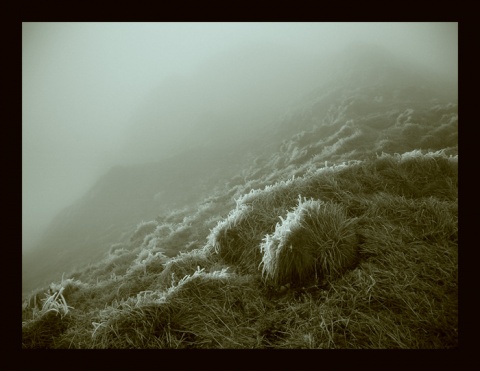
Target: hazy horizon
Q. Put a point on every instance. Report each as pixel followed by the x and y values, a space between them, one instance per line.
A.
pixel 88 88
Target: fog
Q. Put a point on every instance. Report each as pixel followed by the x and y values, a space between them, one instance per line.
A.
pixel 99 94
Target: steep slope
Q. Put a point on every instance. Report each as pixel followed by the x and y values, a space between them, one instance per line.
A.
pixel 335 226
pixel 122 198
pixel 372 104
pixel 358 255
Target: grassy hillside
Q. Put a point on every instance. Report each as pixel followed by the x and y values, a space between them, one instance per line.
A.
pixel 372 104
pixel 360 254
pixel 109 212
pixel 335 226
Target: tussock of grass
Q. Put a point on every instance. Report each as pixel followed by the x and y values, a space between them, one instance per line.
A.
pixel 49 322
pixel 147 263
pixel 118 264
pixel 143 229
pixel 316 240
pixel 225 309
pixel 118 248
pixel 142 328
pixel 183 265
pixel 149 260
pixel 66 288
pixel 202 310
pixel 232 237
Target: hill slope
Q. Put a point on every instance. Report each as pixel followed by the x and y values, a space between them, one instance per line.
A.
pixel 122 198
pixel 315 233
pixel 360 255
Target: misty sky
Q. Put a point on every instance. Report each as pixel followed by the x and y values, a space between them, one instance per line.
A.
pixel 84 84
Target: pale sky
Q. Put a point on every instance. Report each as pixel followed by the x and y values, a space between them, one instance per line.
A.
pixel 83 85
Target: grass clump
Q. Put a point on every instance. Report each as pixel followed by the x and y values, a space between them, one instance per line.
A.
pixel 47 323
pixel 143 229
pixel 147 262
pixel 232 238
pixel 202 310
pixel 236 238
pixel 316 240
pixel 222 308
pixel 183 265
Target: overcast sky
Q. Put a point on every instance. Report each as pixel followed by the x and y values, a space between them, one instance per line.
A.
pixel 83 84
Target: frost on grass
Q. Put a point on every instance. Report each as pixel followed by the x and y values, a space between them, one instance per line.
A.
pixel 143 229
pixel 316 240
